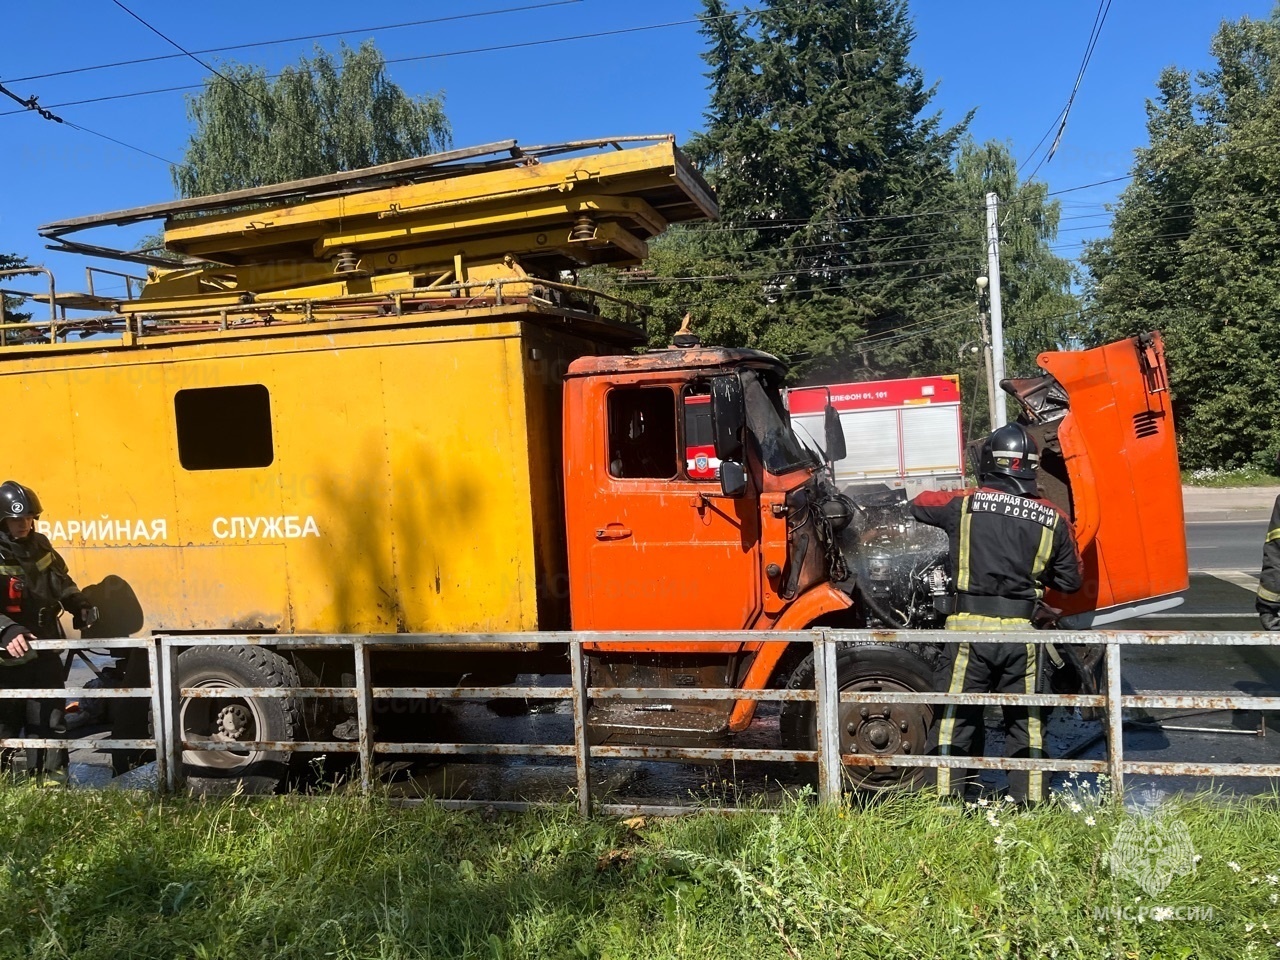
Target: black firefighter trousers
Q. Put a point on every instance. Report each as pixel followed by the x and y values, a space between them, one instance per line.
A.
pixel 34 717
pixel 992 668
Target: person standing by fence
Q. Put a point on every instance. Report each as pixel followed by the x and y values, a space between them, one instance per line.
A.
pixel 1007 544
pixel 1268 602
pixel 35 588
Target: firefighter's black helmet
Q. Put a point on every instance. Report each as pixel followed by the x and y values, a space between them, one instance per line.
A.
pixel 18 501
pixel 1010 451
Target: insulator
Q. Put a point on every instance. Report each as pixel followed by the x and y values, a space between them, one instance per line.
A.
pixel 346 261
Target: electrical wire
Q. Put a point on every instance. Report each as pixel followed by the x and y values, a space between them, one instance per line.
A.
pixel 222 76
pixel 428 56
pixel 798 272
pixel 33 104
pixel 309 36
pixel 130 146
pixel 1099 18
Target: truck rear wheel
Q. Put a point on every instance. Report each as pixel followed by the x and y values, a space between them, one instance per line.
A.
pixel 231 719
pixel 868 728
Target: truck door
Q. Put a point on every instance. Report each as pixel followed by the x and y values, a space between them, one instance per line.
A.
pixel 666 552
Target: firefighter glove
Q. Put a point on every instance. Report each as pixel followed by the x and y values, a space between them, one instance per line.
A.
pixel 1270 621
pixel 86 618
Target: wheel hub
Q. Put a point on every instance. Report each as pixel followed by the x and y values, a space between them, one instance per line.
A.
pixel 223 721
pixel 879 733
pixel 233 720
pixel 882 729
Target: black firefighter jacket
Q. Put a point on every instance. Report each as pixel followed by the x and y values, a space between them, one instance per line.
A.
pixel 1003 544
pixel 1268 603
pixel 47 586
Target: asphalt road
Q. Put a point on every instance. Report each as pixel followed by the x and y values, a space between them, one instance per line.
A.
pixel 1226 545
pixel 1225 557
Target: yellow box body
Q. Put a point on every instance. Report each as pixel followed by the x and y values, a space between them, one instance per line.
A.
pixel 414 484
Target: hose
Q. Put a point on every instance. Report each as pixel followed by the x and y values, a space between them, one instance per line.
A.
pixel 879 611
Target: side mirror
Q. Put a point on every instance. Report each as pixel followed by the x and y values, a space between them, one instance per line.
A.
pixel 728 417
pixel 733 479
pixel 834 434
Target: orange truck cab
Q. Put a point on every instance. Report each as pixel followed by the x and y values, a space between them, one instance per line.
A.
pixel 691 504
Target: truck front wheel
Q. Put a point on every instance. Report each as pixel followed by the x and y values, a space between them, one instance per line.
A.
pixel 868 729
pixel 231 719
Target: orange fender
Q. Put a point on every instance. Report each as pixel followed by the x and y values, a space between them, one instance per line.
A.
pixel 802 612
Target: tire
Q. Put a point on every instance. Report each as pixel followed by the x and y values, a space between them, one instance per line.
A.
pixel 236 718
pixel 886 729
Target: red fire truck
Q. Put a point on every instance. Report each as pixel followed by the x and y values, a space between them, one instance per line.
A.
pixel 902 434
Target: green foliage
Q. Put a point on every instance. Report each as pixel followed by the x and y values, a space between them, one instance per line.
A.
pixel 315 118
pixel 11 304
pixel 852 220
pixel 112 875
pixel 1193 250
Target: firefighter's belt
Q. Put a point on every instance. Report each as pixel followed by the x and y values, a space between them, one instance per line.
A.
pixel 1002 607
pixel 46 617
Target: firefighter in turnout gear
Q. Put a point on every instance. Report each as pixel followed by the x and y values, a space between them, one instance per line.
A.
pixel 1268 603
pixel 1007 545
pixel 36 588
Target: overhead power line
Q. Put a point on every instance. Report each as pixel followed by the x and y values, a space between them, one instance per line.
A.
pixel 222 76
pixel 426 56
pixel 1099 18
pixel 1086 186
pixel 32 103
pixel 309 36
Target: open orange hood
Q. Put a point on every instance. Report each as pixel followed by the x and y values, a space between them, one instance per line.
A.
pixel 1105 423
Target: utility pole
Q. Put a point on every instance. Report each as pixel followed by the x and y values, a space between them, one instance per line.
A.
pixel 993 400
pixel 999 417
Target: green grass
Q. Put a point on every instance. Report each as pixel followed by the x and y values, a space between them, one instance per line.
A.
pixel 1242 477
pixel 114 875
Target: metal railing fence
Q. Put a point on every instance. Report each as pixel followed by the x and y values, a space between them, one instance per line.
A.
pixel 152 692
pixel 167 698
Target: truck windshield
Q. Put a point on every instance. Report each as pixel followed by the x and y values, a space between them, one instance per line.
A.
pixel 768 422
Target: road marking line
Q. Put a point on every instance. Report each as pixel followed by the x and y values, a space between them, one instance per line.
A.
pixel 1238 577
pixel 1196 616
pixel 1260 519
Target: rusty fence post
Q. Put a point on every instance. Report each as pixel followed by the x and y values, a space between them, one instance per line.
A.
pixel 581 746
pixel 159 719
pixel 830 769
pixel 364 715
pixel 1115 723
pixel 167 725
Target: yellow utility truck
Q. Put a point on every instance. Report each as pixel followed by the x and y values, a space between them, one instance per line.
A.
pixel 379 403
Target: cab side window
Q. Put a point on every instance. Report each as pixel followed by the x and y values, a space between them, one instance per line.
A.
pixel 642 433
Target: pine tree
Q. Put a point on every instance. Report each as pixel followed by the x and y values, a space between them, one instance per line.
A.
pixel 818 143
pixel 851 225
pixel 11 304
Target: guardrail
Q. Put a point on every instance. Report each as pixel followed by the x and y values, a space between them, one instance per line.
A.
pixel 152 692
pixel 167 698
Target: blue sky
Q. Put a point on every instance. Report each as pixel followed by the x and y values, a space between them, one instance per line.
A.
pixel 1013 60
